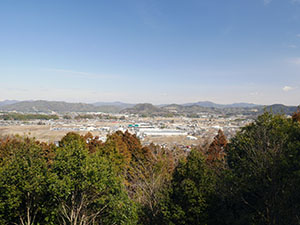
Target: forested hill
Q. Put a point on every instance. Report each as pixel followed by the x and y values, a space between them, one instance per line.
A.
pixel 146 109
pixel 121 105
pixel 209 104
pixel 192 110
pixel 281 109
pixel 57 106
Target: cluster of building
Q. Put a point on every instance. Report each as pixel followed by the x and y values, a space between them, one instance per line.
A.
pixel 176 130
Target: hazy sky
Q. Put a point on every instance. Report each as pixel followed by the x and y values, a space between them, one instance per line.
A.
pixel 158 51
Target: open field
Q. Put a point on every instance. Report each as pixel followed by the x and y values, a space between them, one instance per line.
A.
pixel 45 134
pixel 169 131
pixel 40 132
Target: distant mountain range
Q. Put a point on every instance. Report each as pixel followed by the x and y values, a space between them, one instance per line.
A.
pixel 56 106
pixel 193 109
pixel 188 110
pixel 142 109
pixel 7 102
pixel 214 105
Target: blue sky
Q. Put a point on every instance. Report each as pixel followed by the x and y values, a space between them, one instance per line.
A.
pixel 158 51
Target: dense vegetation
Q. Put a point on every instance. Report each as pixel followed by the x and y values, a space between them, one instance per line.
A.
pixel 251 179
pixel 24 117
pixel 96 116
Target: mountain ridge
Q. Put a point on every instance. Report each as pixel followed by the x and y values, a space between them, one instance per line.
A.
pixel 122 105
pixel 216 105
pixel 8 102
pixel 141 108
pixel 56 106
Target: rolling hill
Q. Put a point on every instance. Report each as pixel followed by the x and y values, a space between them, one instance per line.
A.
pixel 120 105
pixel 281 109
pixel 56 106
pixel 215 105
pixel 7 102
pixel 145 109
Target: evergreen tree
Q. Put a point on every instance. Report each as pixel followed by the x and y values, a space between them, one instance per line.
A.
pixel 192 187
pixel 86 187
pixel 24 181
pixel 262 180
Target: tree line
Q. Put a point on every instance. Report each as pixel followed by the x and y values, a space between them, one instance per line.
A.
pixel 25 117
pixel 253 178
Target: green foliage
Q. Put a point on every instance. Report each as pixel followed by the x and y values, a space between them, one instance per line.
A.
pixel 260 185
pixel 19 116
pixel 24 196
pixel 109 117
pixel 72 187
pixel 146 172
pixel 192 185
pixel 87 188
pixel 67 117
pixel 84 116
pixel 253 179
pixel 95 116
